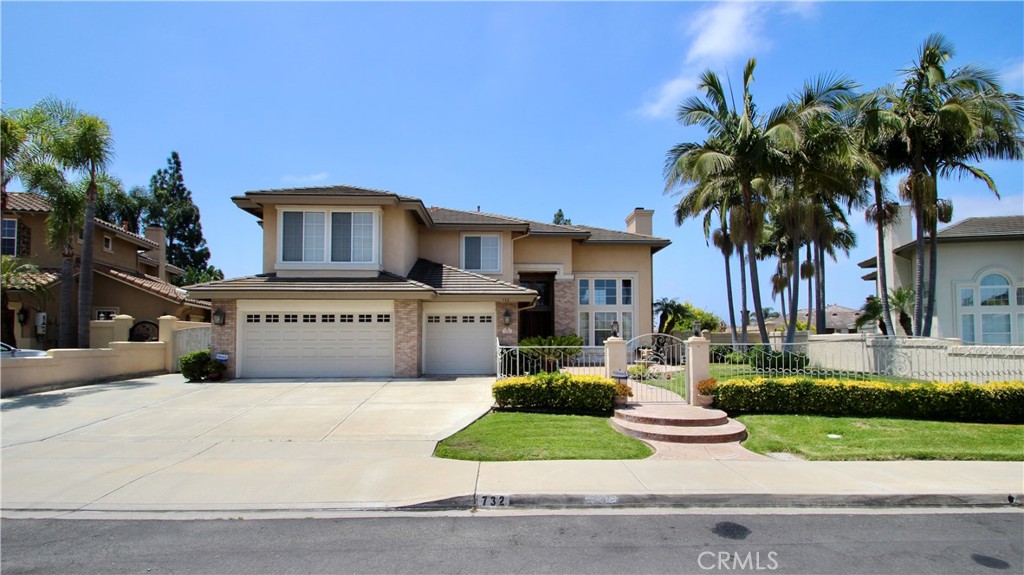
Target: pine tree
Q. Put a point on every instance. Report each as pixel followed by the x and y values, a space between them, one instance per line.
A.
pixel 172 209
pixel 561 220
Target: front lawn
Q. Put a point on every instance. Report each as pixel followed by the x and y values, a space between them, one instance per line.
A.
pixel 514 436
pixel 865 438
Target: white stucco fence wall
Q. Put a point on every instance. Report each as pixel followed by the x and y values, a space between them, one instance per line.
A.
pixel 74 367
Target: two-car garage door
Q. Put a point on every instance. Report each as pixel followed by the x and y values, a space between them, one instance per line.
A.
pixel 316 339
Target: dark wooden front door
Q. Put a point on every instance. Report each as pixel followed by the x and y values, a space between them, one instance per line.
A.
pixel 540 319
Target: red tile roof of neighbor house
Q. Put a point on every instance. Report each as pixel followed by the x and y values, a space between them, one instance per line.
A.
pixel 32 203
pixel 48 277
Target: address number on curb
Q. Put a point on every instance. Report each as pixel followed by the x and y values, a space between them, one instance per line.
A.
pixel 493 501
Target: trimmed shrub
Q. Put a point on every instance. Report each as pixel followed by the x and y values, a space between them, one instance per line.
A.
pixel 1001 402
pixel 199 365
pixel 556 393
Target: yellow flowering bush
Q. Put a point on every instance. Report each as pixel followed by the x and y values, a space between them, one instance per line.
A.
pixel 555 392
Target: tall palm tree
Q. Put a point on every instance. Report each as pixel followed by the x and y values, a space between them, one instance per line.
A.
pixel 86 146
pixel 742 145
pixel 720 238
pixel 944 121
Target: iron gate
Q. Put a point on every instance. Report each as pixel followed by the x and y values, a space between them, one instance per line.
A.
pixel 657 368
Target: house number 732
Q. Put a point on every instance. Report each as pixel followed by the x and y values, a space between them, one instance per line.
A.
pixel 492 501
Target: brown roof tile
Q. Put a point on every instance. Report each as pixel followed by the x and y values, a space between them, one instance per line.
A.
pixel 384 282
pixel 448 280
pixel 30 202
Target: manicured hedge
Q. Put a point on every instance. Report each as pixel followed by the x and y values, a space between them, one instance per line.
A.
pixel 556 393
pixel 1001 402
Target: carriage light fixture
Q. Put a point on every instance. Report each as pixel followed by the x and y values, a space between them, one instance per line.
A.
pixel 506 317
pixel 218 317
pixel 22 316
pixel 615 329
pixel 696 328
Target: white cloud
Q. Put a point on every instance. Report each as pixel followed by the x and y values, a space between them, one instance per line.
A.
pixel 305 180
pixel 1012 76
pixel 669 95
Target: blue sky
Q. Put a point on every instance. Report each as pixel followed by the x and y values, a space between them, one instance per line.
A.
pixel 519 108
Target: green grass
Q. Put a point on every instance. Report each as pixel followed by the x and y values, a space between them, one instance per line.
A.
pixel 510 436
pixel 864 438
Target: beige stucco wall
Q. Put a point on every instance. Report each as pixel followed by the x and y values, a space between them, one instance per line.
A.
pixel 616 260
pixel 532 250
pixel 444 247
pixel 400 239
pixel 71 367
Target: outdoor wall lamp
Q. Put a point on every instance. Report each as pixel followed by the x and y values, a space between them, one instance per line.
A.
pixel 696 328
pixel 218 317
pixel 22 316
pixel 507 317
pixel 615 329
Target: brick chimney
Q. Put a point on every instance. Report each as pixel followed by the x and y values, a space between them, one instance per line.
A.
pixel 640 221
pixel 159 235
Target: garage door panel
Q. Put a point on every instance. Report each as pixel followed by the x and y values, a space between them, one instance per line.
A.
pixel 459 343
pixel 303 344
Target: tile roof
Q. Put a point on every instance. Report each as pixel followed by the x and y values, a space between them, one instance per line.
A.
pixel 463 218
pixel 27 202
pixel 30 202
pixel 153 285
pixel 985 227
pixel 448 280
pixel 152 262
pixel 384 282
pixel 43 277
pixel 339 190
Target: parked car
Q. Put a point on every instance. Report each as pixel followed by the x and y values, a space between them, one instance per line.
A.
pixel 9 351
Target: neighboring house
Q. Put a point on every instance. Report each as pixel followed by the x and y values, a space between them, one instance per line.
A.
pixel 838 319
pixel 360 282
pixel 131 273
pixel 979 290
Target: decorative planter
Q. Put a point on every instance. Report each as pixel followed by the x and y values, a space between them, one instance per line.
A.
pixel 619 401
pixel 703 400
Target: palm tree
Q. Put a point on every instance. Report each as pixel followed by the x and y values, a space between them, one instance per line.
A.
pixel 742 145
pixel 871 311
pixel 720 237
pixel 945 121
pixel 15 275
pixel 86 145
pixel 903 301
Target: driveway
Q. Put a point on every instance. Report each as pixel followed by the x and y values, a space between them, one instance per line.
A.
pixel 162 443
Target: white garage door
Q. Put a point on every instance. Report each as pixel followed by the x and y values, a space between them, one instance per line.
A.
pixel 316 342
pixel 459 343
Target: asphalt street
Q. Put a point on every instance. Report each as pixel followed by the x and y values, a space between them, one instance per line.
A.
pixel 960 542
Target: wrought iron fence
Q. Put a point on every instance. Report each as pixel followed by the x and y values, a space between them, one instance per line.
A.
pixel 527 360
pixel 657 368
pixel 868 357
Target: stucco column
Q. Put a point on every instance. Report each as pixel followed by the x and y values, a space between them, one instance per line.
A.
pixel 122 327
pixel 614 355
pixel 167 326
pixel 698 367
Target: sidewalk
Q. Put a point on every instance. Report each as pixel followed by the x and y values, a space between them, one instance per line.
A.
pixel 161 445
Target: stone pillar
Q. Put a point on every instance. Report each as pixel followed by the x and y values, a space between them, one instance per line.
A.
pixel 408 338
pixel 507 334
pixel 614 355
pixel 565 307
pixel 222 337
pixel 698 367
pixel 122 327
pixel 167 325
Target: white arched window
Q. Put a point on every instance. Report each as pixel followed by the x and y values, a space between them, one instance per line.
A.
pixel 988 310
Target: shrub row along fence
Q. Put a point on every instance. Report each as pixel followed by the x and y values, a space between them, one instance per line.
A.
pixel 528 360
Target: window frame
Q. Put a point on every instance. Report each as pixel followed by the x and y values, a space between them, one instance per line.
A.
pixel 13 239
pixel 626 314
pixel 481 270
pixel 973 312
pixel 375 262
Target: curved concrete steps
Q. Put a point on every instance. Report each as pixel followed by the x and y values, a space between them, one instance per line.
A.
pixel 678 424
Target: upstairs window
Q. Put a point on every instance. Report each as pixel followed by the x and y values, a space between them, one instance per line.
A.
pixel 481 253
pixel 345 237
pixel 9 244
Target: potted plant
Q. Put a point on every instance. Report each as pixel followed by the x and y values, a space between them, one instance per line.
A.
pixel 622 394
pixel 705 392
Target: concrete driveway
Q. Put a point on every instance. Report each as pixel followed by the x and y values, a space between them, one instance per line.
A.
pixel 162 443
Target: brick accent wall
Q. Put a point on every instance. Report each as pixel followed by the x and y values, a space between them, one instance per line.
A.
pixel 565 307
pixel 408 338
pixel 222 337
pixel 507 335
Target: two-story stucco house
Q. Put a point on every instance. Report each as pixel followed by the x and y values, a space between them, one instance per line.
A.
pixel 360 282
pixel 979 288
pixel 131 273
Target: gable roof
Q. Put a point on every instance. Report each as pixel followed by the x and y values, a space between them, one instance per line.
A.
pixel 49 277
pixel 979 229
pixel 33 203
pixel 438 217
pixel 448 280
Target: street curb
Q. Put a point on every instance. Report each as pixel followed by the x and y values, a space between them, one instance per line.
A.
pixel 722 500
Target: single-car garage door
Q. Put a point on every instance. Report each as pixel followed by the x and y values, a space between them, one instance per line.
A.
pixel 316 341
pixel 459 342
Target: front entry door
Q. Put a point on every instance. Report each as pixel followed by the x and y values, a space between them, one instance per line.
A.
pixel 540 319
